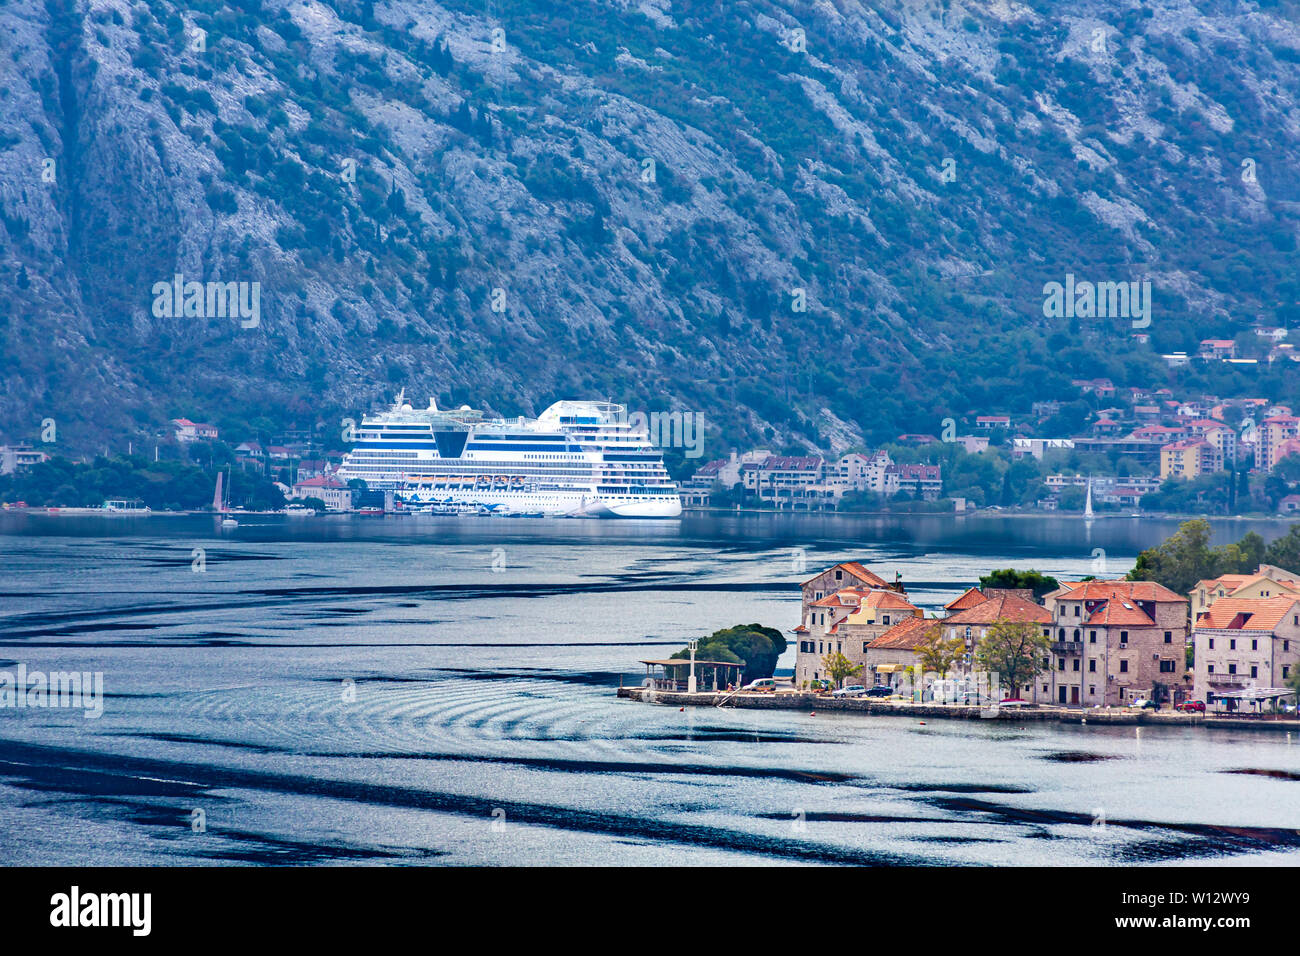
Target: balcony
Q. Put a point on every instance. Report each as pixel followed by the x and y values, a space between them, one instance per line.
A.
pixel 1227 680
pixel 1067 647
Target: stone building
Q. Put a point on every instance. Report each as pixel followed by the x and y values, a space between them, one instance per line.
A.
pixel 972 622
pixel 1114 642
pixel 1246 644
pixel 843 609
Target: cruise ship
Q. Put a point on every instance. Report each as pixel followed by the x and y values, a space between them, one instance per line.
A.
pixel 582 459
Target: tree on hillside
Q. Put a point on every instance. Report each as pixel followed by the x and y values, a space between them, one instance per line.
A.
pixel 1014 650
pixel 837 667
pixel 1185 557
pixel 1012 579
pixel 937 653
pixel 1285 551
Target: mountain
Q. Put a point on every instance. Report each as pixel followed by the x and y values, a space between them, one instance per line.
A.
pixel 817 224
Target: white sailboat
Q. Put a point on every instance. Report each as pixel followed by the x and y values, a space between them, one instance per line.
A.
pixel 221 502
pixel 1087 505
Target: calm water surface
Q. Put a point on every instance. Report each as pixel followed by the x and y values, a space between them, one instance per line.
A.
pixel 337 690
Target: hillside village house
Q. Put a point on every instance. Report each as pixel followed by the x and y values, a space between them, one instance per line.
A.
pixel 1112 643
pixel 14 457
pixel 1188 459
pixel 1246 650
pixel 1276 438
pixel 188 431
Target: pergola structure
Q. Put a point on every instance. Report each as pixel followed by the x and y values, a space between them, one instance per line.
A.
pixel 1237 699
pixel 672 674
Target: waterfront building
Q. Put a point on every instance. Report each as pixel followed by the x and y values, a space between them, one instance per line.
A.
pixel 845 575
pixel 785 479
pixel 973 621
pixel 847 622
pixel 335 494
pixel 1246 648
pixel 921 481
pixel 1112 643
pixel 890 655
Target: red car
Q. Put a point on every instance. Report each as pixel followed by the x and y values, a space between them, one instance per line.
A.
pixel 1192 706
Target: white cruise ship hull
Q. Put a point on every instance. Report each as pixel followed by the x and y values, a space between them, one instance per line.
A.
pixel 579 459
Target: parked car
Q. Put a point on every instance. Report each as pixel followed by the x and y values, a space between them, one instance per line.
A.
pixel 1013 702
pixel 1192 706
pixel 881 690
pixel 1145 704
pixel 852 690
pixel 761 685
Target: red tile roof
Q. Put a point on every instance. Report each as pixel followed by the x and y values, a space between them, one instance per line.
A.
pixel 1246 614
pixel 1001 607
pixel 907 635
pixel 969 598
pixel 1110 590
pixel 858 570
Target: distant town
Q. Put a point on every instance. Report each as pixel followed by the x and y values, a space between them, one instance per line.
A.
pixel 1105 449
pixel 1138 450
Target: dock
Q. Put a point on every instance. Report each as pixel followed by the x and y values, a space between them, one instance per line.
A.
pixel 809 703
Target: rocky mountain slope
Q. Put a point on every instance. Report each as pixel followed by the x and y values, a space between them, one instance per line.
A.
pixel 813 222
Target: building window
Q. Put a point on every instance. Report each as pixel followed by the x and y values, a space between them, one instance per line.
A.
pixel 1254 670
pixel 1209 669
pixel 1092 690
pixel 1092 637
pixel 1078 635
pixel 1061 635
pixel 1076 663
pixel 1123 637
pixel 1076 610
pixel 1169 637
pixel 1123 667
pixel 1211 643
pixel 864 646
pixel 1060 663
pixel 1286 671
pixel 886 618
pixel 1254 645
pixel 839 575
pixel 1232 668
pixel 1092 666
pixel 1166 667
pixel 1232 643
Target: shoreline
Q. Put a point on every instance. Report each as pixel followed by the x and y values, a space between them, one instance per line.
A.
pixel 875 708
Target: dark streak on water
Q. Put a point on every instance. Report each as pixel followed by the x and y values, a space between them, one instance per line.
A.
pixel 38 768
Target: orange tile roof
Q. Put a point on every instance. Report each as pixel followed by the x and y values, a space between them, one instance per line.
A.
pixel 908 634
pixel 1246 614
pixel 858 570
pixel 970 598
pixel 1110 590
pixel 1002 607
pixel 1120 612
